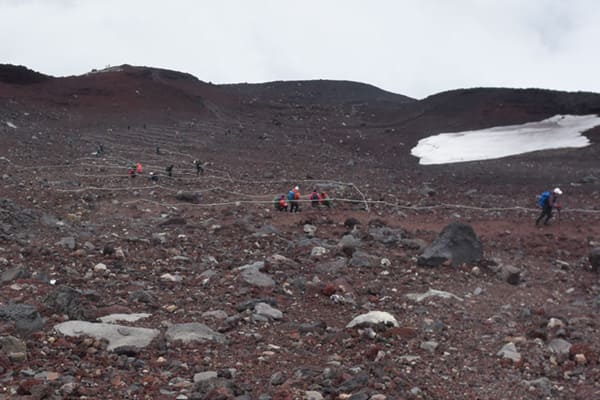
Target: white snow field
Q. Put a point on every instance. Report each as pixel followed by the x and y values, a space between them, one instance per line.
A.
pixel 560 131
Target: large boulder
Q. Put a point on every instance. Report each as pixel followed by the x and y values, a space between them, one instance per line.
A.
pixel 117 335
pixel 456 244
pixel 189 197
pixel 594 258
pixel 27 319
pixel 69 301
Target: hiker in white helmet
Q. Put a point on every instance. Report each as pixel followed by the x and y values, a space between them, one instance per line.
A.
pixel 548 201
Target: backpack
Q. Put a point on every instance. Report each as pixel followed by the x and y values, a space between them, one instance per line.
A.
pixel 543 199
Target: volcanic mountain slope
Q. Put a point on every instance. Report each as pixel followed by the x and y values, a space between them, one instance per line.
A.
pixel 275 291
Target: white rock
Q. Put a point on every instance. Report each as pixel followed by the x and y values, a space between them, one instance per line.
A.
pixel 509 350
pixel 112 318
pixel 419 297
pixel 374 318
pixel 171 278
pixel 100 267
pixel 555 323
pixel 312 395
pixel 318 251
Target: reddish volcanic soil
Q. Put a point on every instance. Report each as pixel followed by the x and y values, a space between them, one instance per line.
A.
pixel 64 211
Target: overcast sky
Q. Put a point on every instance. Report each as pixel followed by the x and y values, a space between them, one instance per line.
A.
pixel 416 48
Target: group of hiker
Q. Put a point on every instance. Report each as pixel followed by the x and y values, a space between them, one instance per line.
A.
pixel 291 202
pixel 137 169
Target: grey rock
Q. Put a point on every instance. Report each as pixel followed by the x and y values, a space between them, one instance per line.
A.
pixel 142 296
pixel 589 179
pixel 267 311
pixel 189 197
pixel 361 259
pixel 248 304
pixel 350 243
pixel 66 300
pixel 354 383
pixel 173 221
pixel 159 238
pixel 226 388
pixel 360 396
pixel 413 244
pixel 560 346
pixel 193 332
pixel 457 244
pixel 509 350
pixel 216 314
pixel 251 275
pixel 277 378
pixel 510 274
pixel 332 267
pixel 386 235
pixel 430 346
pixel 204 376
pixel 313 327
pixel 14 348
pixel 543 384
pixel 68 242
pixel 12 274
pixel 266 231
pixel 116 335
pixel 351 222
pixel 27 318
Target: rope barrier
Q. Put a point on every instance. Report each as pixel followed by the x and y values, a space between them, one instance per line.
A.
pixel 121 163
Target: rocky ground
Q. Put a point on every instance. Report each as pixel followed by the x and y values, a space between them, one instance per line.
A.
pixel 196 288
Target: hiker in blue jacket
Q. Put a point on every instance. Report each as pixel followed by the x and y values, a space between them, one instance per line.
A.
pixel 548 201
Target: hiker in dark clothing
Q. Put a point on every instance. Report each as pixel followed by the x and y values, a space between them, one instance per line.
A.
pixel 153 177
pixel 548 202
pixel 169 170
pixel 315 198
pixel 199 167
pixel 157 149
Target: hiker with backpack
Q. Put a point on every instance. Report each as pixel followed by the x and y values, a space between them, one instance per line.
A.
pixel 280 203
pixel 169 170
pixel 325 200
pixel 547 201
pixel 199 167
pixel 315 198
pixel 293 198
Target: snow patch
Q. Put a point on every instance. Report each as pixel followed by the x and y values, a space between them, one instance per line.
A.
pixel 560 131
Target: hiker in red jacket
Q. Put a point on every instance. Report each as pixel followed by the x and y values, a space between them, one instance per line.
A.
pixel 282 205
pixel 325 200
pixel 294 198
